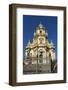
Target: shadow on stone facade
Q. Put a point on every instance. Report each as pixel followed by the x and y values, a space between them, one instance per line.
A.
pixel 39 68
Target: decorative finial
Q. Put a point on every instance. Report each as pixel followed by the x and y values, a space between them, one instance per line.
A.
pixel 46 33
pixel 52 45
pixel 34 33
pixel 29 42
pixel 40 25
pixel 28 45
pixel 51 42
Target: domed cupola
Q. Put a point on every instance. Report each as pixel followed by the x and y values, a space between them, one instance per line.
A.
pixel 40 30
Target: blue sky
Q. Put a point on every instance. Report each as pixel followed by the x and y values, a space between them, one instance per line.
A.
pixel 31 22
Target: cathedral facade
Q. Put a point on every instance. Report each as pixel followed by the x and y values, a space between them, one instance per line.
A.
pixel 40 53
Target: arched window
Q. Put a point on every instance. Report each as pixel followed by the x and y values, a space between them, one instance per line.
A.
pixel 41 57
pixel 40 32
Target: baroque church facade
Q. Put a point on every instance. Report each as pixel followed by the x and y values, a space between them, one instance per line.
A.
pixel 39 54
